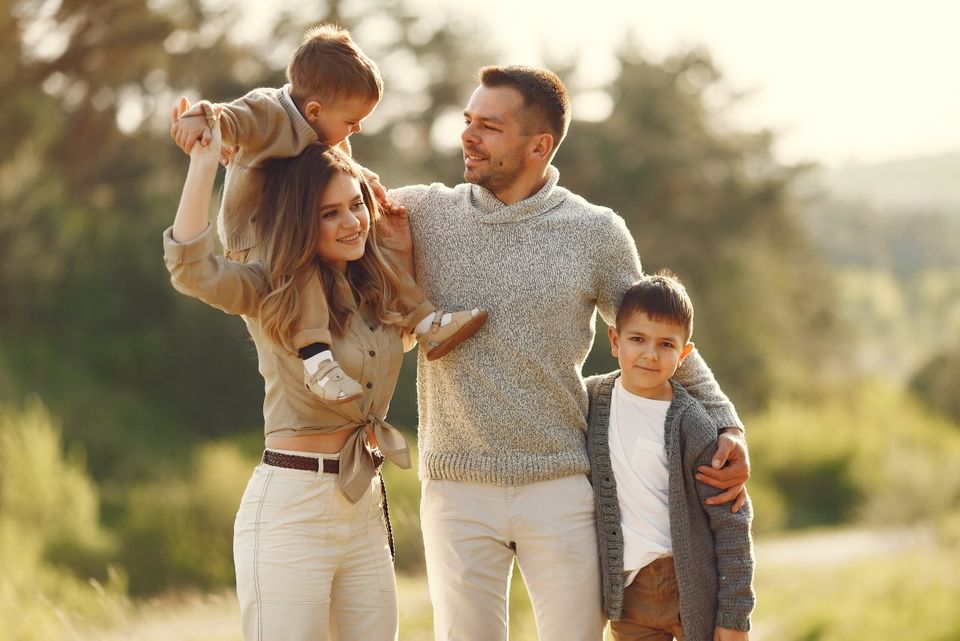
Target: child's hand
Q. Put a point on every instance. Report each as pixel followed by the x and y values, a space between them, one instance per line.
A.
pixel 190 125
pixel 210 152
pixel 726 634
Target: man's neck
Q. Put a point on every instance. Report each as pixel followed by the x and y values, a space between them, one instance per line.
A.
pixel 523 188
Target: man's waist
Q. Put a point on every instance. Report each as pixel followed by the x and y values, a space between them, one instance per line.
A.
pixel 505 467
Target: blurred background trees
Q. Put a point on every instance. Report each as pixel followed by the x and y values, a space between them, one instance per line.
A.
pixel 151 401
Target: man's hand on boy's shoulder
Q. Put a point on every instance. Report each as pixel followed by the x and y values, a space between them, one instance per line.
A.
pixel 729 470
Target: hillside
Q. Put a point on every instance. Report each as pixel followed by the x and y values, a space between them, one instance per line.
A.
pixel 923 183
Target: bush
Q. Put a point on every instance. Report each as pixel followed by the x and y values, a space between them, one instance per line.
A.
pixel 178 532
pixel 876 455
pixel 936 384
pixel 50 539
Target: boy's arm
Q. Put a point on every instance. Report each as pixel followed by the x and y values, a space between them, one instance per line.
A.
pixel 264 123
pixel 733 545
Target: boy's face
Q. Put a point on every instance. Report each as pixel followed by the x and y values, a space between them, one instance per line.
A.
pixel 338 118
pixel 649 353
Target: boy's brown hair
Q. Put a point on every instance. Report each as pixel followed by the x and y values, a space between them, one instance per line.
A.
pixel 544 95
pixel 662 297
pixel 330 64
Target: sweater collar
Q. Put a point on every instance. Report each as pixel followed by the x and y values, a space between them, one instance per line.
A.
pixel 491 211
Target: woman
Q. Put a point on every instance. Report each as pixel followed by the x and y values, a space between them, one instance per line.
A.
pixel 310 548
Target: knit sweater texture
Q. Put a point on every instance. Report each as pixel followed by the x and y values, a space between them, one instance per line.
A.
pixel 712 546
pixel 509 406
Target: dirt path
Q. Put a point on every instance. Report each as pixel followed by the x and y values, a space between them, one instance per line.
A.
pixel 216 617
pixel 840 546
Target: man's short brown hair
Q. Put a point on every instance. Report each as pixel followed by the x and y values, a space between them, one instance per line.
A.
pixel 543 94
pixel 662 297
pixel 329 64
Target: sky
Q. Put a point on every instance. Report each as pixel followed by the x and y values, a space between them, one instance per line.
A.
pixel 839 82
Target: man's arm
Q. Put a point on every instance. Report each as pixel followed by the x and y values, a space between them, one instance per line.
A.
pixel 616 270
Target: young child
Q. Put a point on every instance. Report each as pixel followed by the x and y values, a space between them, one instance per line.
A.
pixel 333 87
pixel 671 565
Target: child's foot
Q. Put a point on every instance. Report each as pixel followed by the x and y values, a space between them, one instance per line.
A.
pixel 327 380
pixel 449 330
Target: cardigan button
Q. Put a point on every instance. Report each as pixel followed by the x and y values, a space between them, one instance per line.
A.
pixel 369 385
pixel 372 353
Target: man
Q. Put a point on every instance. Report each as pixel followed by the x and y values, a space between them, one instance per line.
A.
pixel 502 420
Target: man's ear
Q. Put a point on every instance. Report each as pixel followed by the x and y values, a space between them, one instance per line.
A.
pixel 312 111
pixel 543 147
pixel 614 341
pixel 685 351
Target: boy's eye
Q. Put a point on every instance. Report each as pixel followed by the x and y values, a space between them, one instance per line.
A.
pixel 667 344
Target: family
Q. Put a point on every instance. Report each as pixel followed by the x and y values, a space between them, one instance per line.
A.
pixel 613 495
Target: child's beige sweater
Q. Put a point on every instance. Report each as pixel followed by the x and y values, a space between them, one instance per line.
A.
pixel 266 124
pixel 509 406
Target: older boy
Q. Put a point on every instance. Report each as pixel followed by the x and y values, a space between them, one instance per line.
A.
pixel 687 566
pixel 333 87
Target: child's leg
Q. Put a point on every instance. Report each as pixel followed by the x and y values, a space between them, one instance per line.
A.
pixel 322 374
pixel 437 332
pixel 651 606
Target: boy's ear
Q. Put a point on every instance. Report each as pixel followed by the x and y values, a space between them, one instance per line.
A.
pixel 685 351
pixel 614 341
pixel 312 110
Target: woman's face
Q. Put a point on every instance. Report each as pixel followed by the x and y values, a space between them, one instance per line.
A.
pixel 344 222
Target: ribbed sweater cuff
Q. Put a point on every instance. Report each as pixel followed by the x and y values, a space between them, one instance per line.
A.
pixel 733 621
pixel 507 469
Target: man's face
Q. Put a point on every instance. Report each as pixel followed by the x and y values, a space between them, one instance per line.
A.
pixel 494 143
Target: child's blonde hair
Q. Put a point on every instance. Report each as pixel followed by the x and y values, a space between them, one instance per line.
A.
pixel 330 64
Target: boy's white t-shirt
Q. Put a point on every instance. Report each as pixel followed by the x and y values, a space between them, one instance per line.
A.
pixel 639 461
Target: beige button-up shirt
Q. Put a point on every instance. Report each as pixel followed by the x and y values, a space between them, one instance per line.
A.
pixel 369 353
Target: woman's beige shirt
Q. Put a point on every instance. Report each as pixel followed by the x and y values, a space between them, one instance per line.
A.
pixel 370 354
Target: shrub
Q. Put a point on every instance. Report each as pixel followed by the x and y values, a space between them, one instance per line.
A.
pixel 178 531
pixel 875 455
pixel 50 539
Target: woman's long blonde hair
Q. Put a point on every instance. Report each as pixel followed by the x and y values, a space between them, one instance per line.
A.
pixel 287 225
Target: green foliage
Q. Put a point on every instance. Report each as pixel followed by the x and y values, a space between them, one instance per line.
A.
pixel 186 523
pixel 936 383
pixel 874 454
pixel 50 538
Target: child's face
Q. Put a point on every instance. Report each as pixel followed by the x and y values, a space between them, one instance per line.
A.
pixel 649 352
pixel 344 222
pixel 339 118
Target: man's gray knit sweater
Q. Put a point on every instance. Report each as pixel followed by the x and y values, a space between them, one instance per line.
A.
pixel 509 406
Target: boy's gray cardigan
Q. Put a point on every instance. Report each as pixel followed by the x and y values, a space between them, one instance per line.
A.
pixel 712 546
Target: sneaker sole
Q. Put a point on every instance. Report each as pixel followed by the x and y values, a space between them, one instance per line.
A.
pixel 465 332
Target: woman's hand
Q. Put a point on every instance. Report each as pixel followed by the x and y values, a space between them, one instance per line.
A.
pixel 192 218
